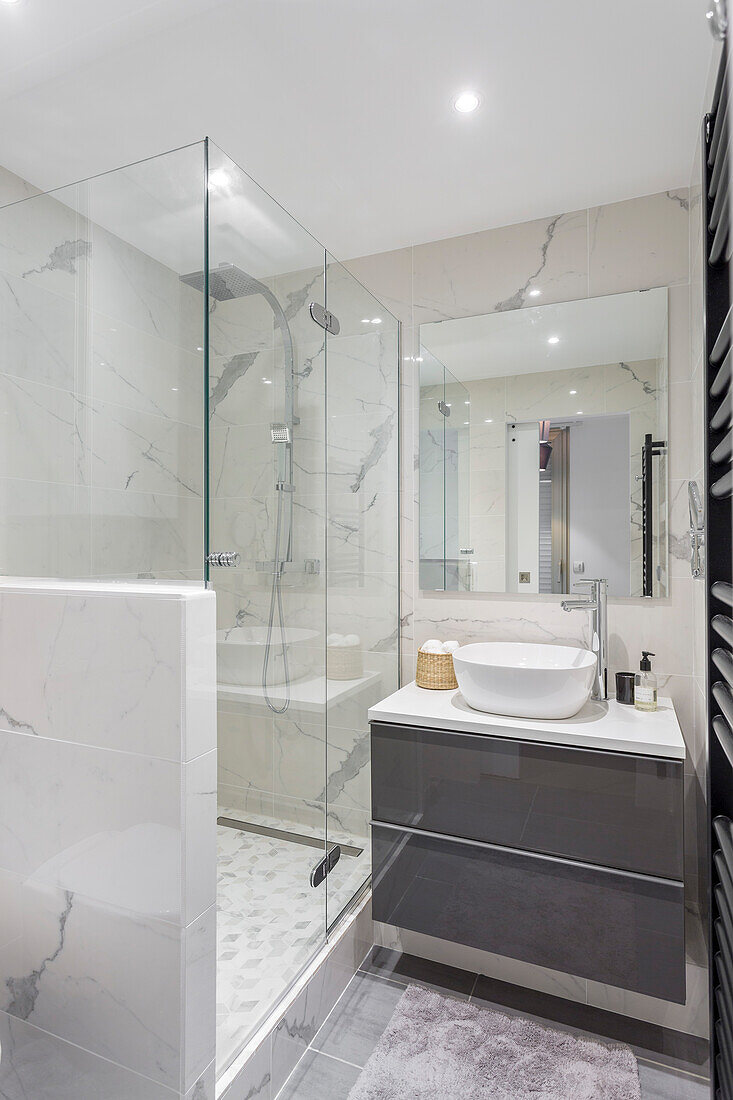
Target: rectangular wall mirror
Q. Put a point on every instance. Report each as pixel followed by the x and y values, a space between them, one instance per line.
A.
pixel 543 448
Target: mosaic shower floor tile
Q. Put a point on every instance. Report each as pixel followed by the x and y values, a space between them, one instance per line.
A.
pixel 270 922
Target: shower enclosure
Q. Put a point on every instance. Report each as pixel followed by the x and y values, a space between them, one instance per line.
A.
pixel 193 389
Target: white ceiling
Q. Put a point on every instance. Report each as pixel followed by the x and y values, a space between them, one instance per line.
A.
pixel 342 108
pixel 616 328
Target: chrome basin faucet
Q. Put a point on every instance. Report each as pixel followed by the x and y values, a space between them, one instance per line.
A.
pixel 596 603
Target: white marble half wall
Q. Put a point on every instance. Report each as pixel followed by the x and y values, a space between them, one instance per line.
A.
pixel 107 841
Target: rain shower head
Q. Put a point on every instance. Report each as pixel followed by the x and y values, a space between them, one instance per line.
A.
pixel 280 433
pixel 226 282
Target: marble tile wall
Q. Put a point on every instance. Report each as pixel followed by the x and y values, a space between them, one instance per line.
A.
pixel 101 369
pixel 630 245
pixel 107 841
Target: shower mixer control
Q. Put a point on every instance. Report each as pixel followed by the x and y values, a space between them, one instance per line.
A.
pixel 226 558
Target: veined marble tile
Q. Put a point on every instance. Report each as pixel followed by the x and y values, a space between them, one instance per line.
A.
pixel 45 242
pixel 38 333
pixel 39 430
pixel 128 646
pixel 123 448
pixel 679 320
pixel 639 243
pixel 36 1064
pixel 135 288
pixel 245 389
pixel 198 812
pixel 142 534
pixel 494 270
pixel 389 276
pixel 485 620
pixel 44 530
pixel 245 744
pixel 68 808
pixel 679 530
pixel 81 970
pixel 140 371
pixel 546 394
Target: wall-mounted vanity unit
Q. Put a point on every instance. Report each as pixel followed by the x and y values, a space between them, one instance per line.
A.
pixel 559 843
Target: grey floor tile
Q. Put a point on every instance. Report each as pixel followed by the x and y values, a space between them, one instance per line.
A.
pixel 355 1025
pixel 658 1083
pixel 319 1077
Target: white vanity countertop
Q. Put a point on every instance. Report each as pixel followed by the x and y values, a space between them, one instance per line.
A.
pixel 608 725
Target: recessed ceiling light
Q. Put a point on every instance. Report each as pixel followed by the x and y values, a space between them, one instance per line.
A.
pixel 573 391
pixel 466 102
pixel 553 340
pixel 534 292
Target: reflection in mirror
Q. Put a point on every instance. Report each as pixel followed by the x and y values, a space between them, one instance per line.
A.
pixel 543 448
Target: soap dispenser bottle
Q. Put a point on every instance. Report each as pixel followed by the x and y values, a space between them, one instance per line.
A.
pixel 645 684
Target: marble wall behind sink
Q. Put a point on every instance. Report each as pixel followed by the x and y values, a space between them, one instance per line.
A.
pixel 651 241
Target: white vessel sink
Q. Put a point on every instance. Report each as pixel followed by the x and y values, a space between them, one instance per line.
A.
pixel 525 680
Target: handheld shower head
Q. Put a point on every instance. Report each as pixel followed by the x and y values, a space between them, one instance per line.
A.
pixel 280 433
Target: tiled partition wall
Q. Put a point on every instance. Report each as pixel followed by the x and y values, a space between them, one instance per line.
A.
pixel 625 246
pixel 107 842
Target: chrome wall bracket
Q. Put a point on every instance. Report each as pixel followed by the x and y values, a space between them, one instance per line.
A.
pixel 325 319
pixel 444 408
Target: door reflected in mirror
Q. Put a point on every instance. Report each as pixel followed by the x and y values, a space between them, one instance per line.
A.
pixel 543 448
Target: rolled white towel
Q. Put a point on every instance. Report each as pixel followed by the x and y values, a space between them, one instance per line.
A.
pixel 335 640
pixel 352 639
pixel 432 647
pixel 451 646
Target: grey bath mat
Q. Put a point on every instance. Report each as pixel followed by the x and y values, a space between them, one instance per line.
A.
pixel 438 1048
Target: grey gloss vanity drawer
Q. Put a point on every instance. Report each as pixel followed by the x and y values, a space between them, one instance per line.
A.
pixel 605 808
pixel 623 929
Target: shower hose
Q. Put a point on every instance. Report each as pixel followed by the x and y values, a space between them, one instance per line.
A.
pixel 276 600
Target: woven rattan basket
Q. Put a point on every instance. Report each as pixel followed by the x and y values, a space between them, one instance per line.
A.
pixel 344 662
pixel 435 670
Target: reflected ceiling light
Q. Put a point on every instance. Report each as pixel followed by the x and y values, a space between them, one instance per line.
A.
pixel 488 421
pixel 534 292
pixel 219 179
pixel 466 402
pixel 573 391
pixel 553 340
pixel 174 389
pixel 465 422
pixel 466 102
pixel 267 381
pixel 579 412
pixel 418 359
pixel 376 320
pixel 365 321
